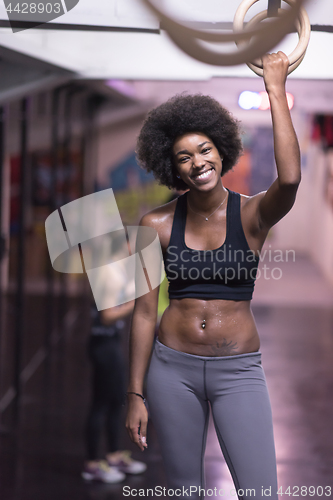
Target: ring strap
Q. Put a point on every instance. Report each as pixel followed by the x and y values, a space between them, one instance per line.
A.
pixel 273 8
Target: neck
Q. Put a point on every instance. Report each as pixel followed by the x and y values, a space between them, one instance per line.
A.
pixel 205 202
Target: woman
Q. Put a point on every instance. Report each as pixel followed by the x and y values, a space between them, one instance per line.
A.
pixel 207 352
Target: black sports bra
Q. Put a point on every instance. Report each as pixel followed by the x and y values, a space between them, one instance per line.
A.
pixel 227 272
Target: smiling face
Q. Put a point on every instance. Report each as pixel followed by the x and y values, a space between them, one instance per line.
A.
pixel 197 161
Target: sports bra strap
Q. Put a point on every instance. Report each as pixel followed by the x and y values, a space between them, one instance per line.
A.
pixel 179 219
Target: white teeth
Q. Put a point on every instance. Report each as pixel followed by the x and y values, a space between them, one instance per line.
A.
pixel 204 175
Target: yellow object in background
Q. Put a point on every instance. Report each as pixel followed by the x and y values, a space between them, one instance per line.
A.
pixel 163 298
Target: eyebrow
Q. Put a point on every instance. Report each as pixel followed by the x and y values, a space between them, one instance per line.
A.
pixel 184 151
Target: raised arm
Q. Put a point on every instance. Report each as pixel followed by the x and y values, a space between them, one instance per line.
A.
pixel 276 202
pixel 141 342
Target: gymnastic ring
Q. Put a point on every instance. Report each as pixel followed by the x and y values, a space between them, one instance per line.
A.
pixel 260 71
pixel 303 28
pixel 255 64
pixel 260 17
pixel 302 25
pixel 186 37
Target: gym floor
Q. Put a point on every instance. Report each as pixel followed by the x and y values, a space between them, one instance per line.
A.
pixel 42 459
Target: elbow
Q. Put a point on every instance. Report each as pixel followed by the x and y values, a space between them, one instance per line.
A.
pixel 145 309
pixel 288 189
pixel 297 177
pixel 291 182
pixel 295 182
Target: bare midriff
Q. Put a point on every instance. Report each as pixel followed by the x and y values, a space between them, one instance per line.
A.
pixel 209 327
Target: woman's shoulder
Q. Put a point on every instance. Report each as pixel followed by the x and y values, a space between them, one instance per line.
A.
pixel 159 214
pixel 161 219
pixel 248 201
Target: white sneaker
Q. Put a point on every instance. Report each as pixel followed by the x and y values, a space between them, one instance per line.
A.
pixel 123 462
pixel 102 472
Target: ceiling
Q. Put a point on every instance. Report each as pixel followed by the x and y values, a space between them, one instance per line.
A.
pixel 121 39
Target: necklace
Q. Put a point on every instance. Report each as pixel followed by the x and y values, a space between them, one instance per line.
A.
pixel 216 209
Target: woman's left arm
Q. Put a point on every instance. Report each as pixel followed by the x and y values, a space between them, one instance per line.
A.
pixel 276 202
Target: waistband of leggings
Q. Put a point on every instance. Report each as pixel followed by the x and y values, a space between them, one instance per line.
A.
pixel 174 352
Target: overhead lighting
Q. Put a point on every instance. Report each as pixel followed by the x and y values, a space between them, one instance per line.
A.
pixel 259 100
pixel 122 87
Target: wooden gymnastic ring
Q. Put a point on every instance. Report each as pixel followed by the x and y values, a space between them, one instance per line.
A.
pixel 260 71
pixel 264 38
pixel 256 65
pixel 302 25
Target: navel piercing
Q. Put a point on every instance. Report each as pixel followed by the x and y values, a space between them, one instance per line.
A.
pixel 203 324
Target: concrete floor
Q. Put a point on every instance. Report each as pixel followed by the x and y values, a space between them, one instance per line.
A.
pixel 42 458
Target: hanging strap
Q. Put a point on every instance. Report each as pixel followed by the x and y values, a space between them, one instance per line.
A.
pixel 273 6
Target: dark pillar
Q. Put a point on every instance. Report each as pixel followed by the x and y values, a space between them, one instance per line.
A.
pixel 2 238
pixel 50 296
pixel 19 329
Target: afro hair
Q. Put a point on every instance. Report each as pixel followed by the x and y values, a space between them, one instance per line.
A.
pixel 179 115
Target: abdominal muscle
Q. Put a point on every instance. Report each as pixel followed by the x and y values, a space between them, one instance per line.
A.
pixel 230 328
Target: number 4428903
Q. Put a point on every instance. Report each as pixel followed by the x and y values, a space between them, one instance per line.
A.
pixel 303 491
pixel 34 8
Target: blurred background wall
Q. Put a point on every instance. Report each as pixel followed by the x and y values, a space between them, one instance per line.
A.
pixel 77 139
pixel 72 100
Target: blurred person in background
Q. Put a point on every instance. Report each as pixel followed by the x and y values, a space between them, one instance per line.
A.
pixel 207 351
pixel 108 374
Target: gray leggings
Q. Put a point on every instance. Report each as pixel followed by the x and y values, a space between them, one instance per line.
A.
pixel 180 387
